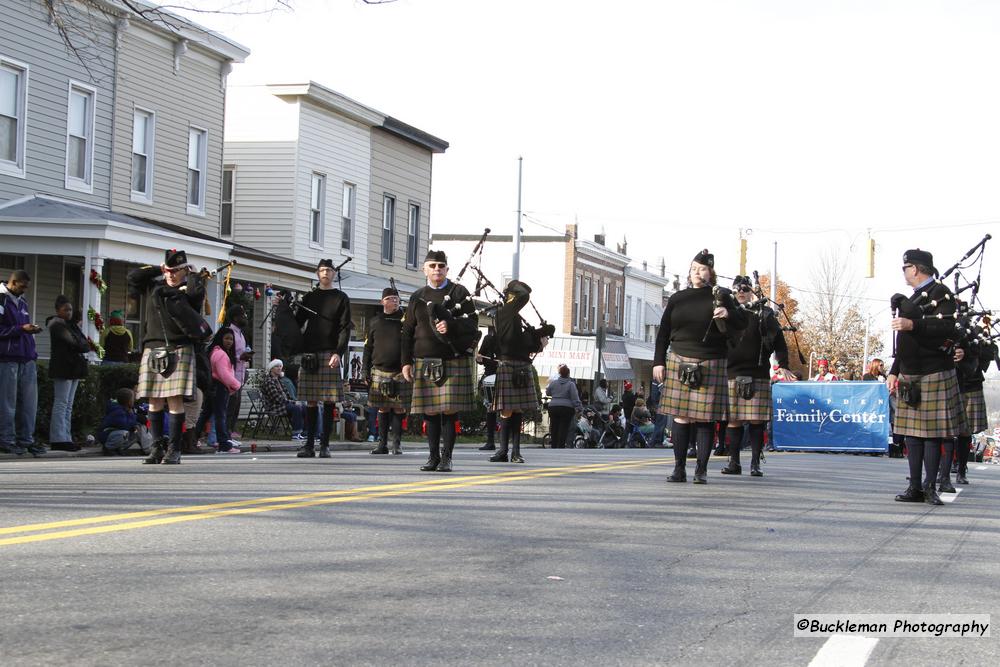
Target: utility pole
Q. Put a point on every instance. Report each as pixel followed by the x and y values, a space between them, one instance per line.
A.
pixel 743 254
pixel 774 275
pixel 516 269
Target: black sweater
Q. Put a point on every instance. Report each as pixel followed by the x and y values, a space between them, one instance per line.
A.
pixel 382 343
pixel 488 352
pixel 972 368
pixel 66 360
pixel 926 349
pixel 752 352
pixel 330 330
pixel 686 318
pixel 515 340
pixel 173 314
pixel 418 338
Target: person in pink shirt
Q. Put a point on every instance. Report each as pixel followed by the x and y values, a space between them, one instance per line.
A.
pixel 222 354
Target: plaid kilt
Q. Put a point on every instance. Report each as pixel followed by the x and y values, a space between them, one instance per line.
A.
pixel 975 411
pixel 323 385
pixel 180 383
pixel 757 409
pixel 517 399
pixel 457 394
pixel 707 403
pixel 376 399
pixel 940 413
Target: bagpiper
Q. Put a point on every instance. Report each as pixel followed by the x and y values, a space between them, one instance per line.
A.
pixel 749 370
pixel 325 312
pixel 388 390
pixel 517 388
pixel 439 336
pixel 929 409
pixel 695 326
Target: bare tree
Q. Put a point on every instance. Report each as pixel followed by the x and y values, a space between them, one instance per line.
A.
pixel 834 324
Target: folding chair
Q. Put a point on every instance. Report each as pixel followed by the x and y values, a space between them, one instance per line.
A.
pixel 258 419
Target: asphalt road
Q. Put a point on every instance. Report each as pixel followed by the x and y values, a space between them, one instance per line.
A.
pixel 577 557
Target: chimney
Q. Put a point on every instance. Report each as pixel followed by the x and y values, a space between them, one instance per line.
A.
pixel 624 250
pixel 599 238
pixel 571 231
pixel 663 268
pixel 644 265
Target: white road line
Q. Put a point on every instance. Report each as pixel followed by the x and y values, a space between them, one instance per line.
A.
pixel 844 651
pixel 950 497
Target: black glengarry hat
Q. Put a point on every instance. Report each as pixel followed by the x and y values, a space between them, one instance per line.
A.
pixel 705 258
pixel 328 263
pixel 389 291
pixel 742 281
pixel 517 287
pixel 436 256
pixel 175 258
pixel 922 257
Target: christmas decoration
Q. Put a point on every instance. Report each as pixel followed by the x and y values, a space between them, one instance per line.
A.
pixel 97 281
pixel 96 318
pixel 96 347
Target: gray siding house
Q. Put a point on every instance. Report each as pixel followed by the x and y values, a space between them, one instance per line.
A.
pixel 108 159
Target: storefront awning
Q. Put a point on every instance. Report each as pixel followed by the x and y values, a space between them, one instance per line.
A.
pixel 577 352
pixel 638 349
pixel 615 363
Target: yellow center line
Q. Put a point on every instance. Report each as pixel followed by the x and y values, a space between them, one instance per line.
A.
pixel 197 512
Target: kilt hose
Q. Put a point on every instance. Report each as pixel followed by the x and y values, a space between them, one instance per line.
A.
pixel 323 385
pixel 404 391
pixel 975 411
pixel 707 403
pixel 457 394
pixel 507 396
pixel 756 409
pixel 940 413
pixel 180 383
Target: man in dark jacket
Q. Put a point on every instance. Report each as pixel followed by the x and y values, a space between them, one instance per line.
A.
pixel 18 376
pixel 67 366
pixel 388 392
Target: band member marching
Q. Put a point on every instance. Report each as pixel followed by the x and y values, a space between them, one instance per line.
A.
pixel 694 325
pixel 929 408
pixel 749 371
pixel 517 388
pixel 972 362
pixel 173 296
pixel 387 390
pixel 487 357
pixel 439 335
pixel 326 314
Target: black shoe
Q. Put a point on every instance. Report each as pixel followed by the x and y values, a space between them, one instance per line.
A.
pixel 172 457
pixel 306 453
pixel 155 454
pixel 381 449
pixel 931 497
pixel 911 495
pixel 700 478
pixel 960 479
pixel 324 452
pixel 733 469
pixel 431 465
pixel 397 450
pixel 946 487
pixel 678 475
pixel 499 457
pixel 755 471
pixel 954 468
pixel 488 447
pixel 516 458
pixel 445 465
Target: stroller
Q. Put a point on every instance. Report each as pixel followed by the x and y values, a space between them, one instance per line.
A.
pixel 641 435
pixel 595 431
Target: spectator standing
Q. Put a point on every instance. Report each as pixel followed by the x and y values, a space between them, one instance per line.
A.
pixel 603 398
pixel 18 374
pixel 116 340
pixel 875 372
pixel 563 407
pixel 67 366
pixel 824 374
pixel 243 354
pixel 224 384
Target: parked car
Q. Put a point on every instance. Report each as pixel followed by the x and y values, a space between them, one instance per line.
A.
pixel 985 446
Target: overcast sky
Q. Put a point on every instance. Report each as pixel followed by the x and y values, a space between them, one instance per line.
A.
pixel 677 124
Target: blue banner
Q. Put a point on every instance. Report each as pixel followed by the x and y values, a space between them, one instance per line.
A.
pixel 831 416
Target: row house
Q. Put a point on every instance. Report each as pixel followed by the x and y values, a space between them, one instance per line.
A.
pixel 110 156
pixel 310 173
pixel 586 302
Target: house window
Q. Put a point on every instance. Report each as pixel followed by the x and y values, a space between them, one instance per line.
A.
pixel 640 317
pixel 13 96
pixel 586 305
pixel 596 291
pixel 80 138
pixel 618 306
pixel 576 302
pixel 628 316
pixel 412 235
pixel 143 124
pixel 228 195
pixel 388 215
pixel 317 198
pixel 606 305
pixel 11 262
pixel 197 165
pixel 347 214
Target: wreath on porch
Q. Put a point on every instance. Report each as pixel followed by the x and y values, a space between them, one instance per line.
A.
pixel 97 281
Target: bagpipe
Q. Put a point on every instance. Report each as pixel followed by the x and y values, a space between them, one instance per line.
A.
pixel 539 334
pixel 760 305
